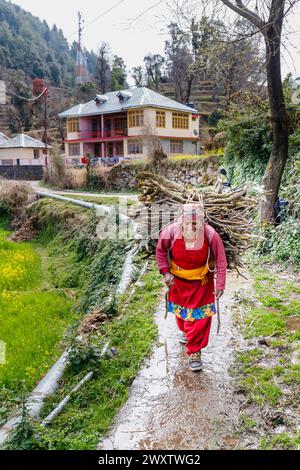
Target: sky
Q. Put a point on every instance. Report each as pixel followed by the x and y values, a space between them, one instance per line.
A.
pixel 134 28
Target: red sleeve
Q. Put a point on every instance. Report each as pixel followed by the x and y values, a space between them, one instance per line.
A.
pixel 220 259
pixel 162 249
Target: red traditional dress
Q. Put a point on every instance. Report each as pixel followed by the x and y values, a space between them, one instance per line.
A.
pixel 192 301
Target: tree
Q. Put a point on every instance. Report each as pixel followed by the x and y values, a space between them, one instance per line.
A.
pixel 204 33
pixel 104 74
pixel 85 92
pixel 180 62
pixel 238 66
pixel 138 76
pixel 28 44
pixel 153 65
pixel 269 22
pixel 118 74
pixel 19 110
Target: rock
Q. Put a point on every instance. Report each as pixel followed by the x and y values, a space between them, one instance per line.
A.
pixel 263 342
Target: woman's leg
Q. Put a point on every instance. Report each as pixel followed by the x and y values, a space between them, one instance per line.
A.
pixel 180 323
pixel 197 333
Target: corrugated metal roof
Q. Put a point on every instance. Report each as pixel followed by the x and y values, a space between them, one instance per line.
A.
pixel 141 96
pixel 3 138
pixel 22 141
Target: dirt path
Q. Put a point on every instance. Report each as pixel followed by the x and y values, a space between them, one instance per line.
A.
pixel 170 407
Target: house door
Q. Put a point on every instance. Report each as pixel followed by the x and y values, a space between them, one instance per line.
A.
pixel 108 128
pixel 110 150
pixel 94 127
pixel 97 150
pixel 119 149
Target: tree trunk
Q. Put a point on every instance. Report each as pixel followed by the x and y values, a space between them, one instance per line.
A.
pixel 274 171
pixel 189 88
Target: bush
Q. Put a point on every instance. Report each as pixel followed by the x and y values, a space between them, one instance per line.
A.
pixel 59 175
pixel 99 177
pixel 282 242
pixel 215 117
pixel 290 189
pixel 14 198
pixel 249 143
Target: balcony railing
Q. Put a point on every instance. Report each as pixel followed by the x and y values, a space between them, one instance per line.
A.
pixel 103 134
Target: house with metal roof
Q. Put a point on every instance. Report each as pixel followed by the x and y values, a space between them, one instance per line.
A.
pixel 22 150
pixel 122 124
pixel 3 138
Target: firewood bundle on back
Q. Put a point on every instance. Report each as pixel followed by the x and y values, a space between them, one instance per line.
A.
pixel 228 213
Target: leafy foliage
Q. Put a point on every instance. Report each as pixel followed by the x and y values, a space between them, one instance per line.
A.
pixel 30 45
pixel 248 142
pixel 282 242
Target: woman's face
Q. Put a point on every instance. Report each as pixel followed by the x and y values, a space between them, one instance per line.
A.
pixel 191 229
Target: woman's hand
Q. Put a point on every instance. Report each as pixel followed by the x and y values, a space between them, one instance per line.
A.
pixel 168 279
pixel 219 293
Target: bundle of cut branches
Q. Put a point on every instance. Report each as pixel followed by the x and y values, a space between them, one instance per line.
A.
pixel 230 214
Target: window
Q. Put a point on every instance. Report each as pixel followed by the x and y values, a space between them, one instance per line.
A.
pixel 160 119
pixel 36 154
pixel 74 150
pixel 180 121
pixel 176 146
pixel 73 125
pixel 119 149
pixel 136 118
pixel 120 126
pixel 135 147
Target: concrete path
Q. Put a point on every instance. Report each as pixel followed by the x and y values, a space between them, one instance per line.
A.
pixel 170 407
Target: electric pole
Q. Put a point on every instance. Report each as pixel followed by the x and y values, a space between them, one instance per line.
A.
pixel 81 74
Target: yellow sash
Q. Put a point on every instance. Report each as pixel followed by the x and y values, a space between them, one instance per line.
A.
pixel 197 274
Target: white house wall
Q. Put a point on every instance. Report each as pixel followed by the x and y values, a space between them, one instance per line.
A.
pixel 168 131
pixel 25 155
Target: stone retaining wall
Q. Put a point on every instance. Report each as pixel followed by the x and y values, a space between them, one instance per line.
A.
pixel 25 172
pixel 195 171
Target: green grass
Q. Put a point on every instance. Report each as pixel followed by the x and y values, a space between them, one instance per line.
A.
pixel 282 441
pixel 269 374
pixel 20 266
pixel 245 423
pixel 203 156
pixel 259 386
pixel 32 324
pixel 260 322
pixel 33 317
pixel 270 318
pixel 75 273
pixel 100 200
pixel 91 410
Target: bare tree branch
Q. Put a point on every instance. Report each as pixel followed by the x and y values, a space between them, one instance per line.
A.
pixel 239 8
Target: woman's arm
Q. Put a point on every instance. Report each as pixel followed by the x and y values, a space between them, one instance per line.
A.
pixel 162 249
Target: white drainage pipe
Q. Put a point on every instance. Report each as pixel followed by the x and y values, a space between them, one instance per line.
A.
pixel 66 400
pixel 46 387
pixel 49 384
pixel 100 209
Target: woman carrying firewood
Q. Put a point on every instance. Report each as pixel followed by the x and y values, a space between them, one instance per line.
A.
pixel 187 252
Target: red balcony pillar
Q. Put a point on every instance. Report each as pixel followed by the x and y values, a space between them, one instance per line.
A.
pixel 102 135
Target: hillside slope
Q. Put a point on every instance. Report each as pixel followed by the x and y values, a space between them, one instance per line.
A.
pixel 30 45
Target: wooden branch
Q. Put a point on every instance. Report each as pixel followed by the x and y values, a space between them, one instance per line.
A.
pixel 239 8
